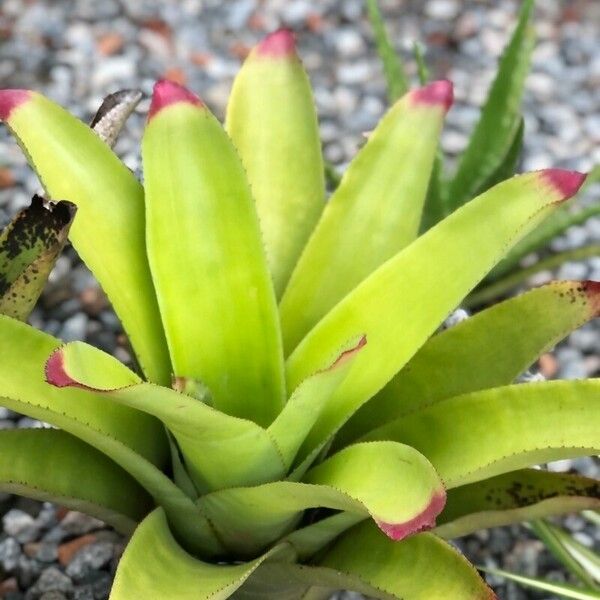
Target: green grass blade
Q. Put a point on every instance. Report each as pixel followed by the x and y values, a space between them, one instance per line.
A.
pixel 206 255
pixel 515 497
pixel 272 121
pixel 86 479
pixel 487 433
pixel 393 68
pixel 494 133
pixel 74 164
pixel 422 68
pixel 561 589
pixel 558 547
pixel 29 247
pixel 431 276
pixel 489 349
pixel 379 201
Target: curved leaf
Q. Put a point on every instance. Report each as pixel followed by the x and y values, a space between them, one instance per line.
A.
pixel 272 121
pixel 489 349
pixel 421 567
pixel 109 234
pixel 207 259
pixel 155 566
pixel 403 494
pixel 219 450
pixel 500 116
pixel 513 497
pixel 48 464
pixel 486 433
pixel 428 280
pixel 135 441
pixel 374 213
pixel 112 114
pixel 29 247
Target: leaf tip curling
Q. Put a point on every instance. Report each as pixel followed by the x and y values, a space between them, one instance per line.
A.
pixel 565 183
pixel 11 99
pixel 279 44
pixel 424 521
pixel 55 371
pixel 436 93
pixel 592 291
pixel 168 92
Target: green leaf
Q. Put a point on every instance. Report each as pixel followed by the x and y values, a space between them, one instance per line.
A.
pixel 513 497
pixel 135 441
pixel 395 75
pixel 564 549
pixel 490 349
pixel 429 278
pixel 272 121
pixel 403 495
pixel 421 567
pixel 219 450
pixel 494 431
pixel 562 589
pixel 301 411
pixel 500 116
pixel 29 247
pixel 550 228
pixel 376 208
pixel 112 114
pixel 155 566
pixel 207 259
pixel 48 464
pixel 73 163
pixel 422 69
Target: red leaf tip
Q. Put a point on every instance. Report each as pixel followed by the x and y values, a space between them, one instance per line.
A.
pixel 168 92
pixel 439 93
pixel 422 522
pixel 280 43
pixel 565 183
pixel 55 371
pixel 11 99
pixel 592 291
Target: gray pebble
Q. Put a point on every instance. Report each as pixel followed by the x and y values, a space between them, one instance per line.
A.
pixel 76 523
pixel 74 328
pixel 90 558
pixel 20 525
pixel 52 579
pixel 10 551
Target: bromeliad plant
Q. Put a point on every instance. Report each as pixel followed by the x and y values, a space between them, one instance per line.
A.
pixel 297 422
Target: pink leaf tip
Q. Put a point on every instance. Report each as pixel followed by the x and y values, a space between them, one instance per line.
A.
pixel 565 183
pixel 56 373
pixel 439 93
pixel 592 291
pixel 10 99
pixel 168 92
pixel 422 522
pixel 278 44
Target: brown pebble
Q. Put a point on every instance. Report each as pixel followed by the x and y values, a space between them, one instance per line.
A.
pixel 31 548
pixel 176 74
pixel 93 300
pixel 548 365
pixel 7 179
pixel 67 550
pixel 110 43
pixel 8 585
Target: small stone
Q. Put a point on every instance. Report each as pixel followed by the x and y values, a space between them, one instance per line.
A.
pixel 90 558
pixel 548 365
pixel 20 525
pixel 84 592
pixel 77 523
pixel 54 595
pixel 28 570
pixel 74 328
pixel 69 549
pixel 47 552
pixel 51 580
pixel 443 10
pixel 10 551
pixel 349 43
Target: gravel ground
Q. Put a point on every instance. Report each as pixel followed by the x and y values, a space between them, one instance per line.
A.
pixel 78 51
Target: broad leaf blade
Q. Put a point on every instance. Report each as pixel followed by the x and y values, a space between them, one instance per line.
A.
pixel 403 495
pixel 272 122
pixel 48 464
pixel 112 114
pixel 395 76
pixel 419 568
pixel 500 116
pixel 514 497
pixel 207 259
pixel 430 278
pixel 219 450
pixel 29 247
pixel 155 566
pixel 489 349
pixel 109 233
pixel 486 433
pixel 374 213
